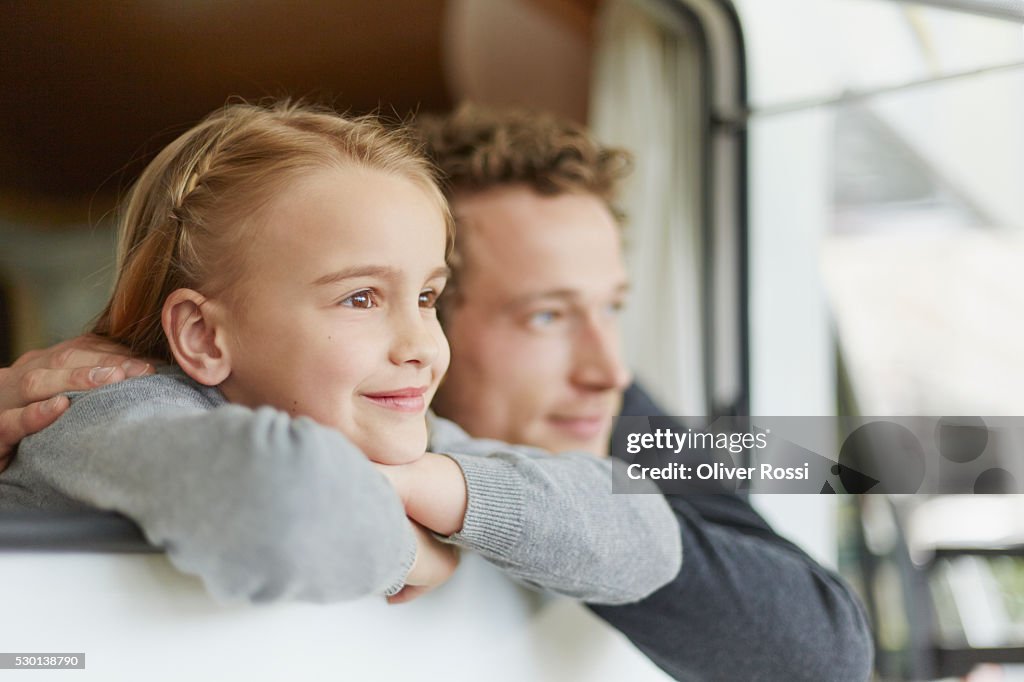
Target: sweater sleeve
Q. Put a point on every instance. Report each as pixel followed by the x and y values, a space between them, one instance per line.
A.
pixel 747 604
pixel 260 506
pixel 552 521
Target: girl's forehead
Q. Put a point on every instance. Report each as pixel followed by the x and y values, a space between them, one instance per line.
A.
pixel 340 217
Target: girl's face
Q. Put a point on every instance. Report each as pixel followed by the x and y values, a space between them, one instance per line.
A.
pixel 334 315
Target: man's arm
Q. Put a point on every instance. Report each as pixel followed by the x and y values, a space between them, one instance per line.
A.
pixel 747 603
pixel 31 388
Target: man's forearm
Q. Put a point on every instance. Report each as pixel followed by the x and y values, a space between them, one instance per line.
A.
pixel 747 604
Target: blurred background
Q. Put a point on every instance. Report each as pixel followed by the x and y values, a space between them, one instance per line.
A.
pixel 827 215
pixel 95 89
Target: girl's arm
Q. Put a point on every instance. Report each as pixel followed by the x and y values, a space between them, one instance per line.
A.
pixel 260 506
pixel 552 520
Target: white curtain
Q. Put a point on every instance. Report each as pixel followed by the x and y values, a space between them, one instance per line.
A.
pixel 645 97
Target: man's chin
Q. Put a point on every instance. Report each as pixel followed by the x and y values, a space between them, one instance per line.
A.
pixel 558 441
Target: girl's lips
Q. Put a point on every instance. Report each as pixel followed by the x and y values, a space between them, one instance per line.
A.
pixel 409 400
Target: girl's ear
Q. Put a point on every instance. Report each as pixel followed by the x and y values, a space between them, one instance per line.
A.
pixel 195 330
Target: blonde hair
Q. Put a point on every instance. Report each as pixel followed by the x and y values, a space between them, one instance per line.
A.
pixel 185 221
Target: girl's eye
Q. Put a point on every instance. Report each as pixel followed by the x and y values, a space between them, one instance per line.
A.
pixel 364 299
pixel 428 298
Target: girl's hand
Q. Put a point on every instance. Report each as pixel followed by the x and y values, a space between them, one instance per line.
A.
pixel 435 563
pixel 433 491
pixel 30 389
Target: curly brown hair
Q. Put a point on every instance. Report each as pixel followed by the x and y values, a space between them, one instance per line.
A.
pixel 476 148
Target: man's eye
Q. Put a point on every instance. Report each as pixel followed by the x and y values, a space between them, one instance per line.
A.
pixel 545 318
pixel 428 298
pixel 616 307
pixel 361 299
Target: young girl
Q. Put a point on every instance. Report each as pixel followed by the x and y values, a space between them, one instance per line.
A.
pixel 287 262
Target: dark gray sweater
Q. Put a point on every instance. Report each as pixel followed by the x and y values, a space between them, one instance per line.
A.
pixel 265 507
pixel 748 604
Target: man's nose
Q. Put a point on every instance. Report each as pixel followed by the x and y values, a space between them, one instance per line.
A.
pixel 413 339
pixel 598 363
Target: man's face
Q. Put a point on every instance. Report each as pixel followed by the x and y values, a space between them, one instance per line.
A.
pixel 535 330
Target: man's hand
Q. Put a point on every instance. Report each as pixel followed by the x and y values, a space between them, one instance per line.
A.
pixel 30 389
pixel 433 491
pixel 435 563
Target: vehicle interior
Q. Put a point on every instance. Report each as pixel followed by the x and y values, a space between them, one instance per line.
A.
pixel 825 219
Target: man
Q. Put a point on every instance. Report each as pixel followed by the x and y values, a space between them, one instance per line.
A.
pixel 531 315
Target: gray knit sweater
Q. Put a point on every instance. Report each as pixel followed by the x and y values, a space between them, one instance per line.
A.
pixel 265 507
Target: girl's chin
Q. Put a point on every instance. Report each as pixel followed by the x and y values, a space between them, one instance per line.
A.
pixel 395 452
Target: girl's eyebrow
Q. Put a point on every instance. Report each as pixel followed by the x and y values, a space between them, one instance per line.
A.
pixel 443 271
pixel 384 271
pixel 356 271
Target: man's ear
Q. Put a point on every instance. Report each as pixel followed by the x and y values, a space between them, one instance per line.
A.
pixel 195 330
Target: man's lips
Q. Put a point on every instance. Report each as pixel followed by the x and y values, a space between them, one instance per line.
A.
pixel 409 399
pixel 583 427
